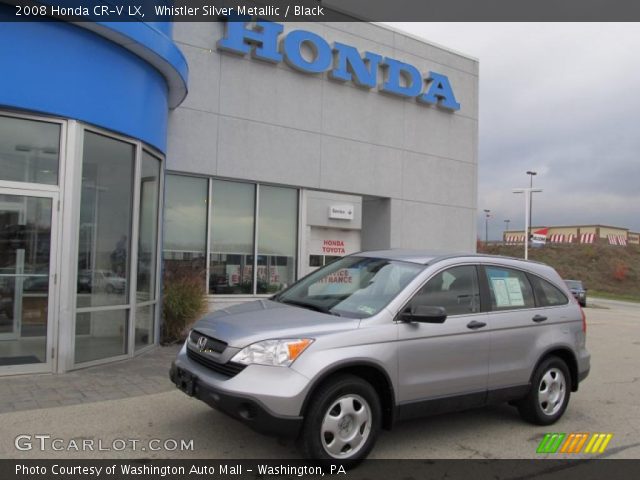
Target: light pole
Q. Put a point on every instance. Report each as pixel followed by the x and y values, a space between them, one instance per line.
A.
pixel 506 229
pixel 486 226
pixel 527 213
pixel 531 174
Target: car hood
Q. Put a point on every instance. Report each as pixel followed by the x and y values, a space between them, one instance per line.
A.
pixel 251 322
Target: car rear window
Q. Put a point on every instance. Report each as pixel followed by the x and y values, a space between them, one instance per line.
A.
pixel 547 294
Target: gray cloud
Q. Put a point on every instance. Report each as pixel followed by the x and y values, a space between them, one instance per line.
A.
pixel 561 99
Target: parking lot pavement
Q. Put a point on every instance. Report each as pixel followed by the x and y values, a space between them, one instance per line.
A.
pixel 142 375
pixel 608 401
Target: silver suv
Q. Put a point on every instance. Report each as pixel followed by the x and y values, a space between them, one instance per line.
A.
pixel 379 337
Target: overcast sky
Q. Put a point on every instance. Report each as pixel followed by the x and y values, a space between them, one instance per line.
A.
pixel 561 99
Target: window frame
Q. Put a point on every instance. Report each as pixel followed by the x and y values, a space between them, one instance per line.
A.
pixel 132 305
pixel 256 226
pixel 62 153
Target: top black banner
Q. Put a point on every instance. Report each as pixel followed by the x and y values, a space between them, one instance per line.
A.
pixel 321 10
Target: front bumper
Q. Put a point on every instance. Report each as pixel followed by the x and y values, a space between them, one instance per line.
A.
pixel 238 396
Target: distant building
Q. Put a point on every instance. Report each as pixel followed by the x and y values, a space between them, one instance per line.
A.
pixel 577 234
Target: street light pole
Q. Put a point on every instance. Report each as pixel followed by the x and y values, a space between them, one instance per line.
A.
pixel 527 213
pixel 531 174
pixel 486 226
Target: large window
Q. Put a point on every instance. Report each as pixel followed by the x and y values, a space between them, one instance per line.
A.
pixel 252 233
pixel 147 250
pixel 29 151
pixel 232 235
pixel 277 238
pixel 117 248
pixel 106 208
pixel 105 221
pixel 185 227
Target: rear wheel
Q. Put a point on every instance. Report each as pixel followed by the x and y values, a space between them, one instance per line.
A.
pixel 549 395
pixel 342 421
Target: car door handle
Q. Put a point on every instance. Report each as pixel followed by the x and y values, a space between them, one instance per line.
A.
pixel 474 325
pixel 539 318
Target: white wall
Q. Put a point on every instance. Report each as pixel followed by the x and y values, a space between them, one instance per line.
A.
pixel 414 165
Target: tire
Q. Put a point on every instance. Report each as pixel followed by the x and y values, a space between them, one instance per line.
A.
pixel 549 395
pixel 110 289
pixel 342 421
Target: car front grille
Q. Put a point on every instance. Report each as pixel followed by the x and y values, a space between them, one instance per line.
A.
pixel 212 344
pixel 229 369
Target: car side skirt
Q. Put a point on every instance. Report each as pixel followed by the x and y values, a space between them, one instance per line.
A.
pixel 456 403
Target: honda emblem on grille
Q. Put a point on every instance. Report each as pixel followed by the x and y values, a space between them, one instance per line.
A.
pixel 202 343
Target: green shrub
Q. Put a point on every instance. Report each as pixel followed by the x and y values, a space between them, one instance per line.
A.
pixel 184 299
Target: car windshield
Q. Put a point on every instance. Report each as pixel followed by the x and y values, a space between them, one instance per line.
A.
pixel 356 287
pixel 573 283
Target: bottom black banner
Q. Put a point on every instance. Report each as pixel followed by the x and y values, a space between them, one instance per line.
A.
pixel 369 469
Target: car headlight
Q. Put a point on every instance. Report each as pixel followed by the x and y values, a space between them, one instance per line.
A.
pixel 280 353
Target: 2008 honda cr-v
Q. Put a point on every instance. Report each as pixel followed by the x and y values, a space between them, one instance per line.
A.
pixel 378 337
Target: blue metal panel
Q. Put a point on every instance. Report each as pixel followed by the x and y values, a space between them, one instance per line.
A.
pixel 64 70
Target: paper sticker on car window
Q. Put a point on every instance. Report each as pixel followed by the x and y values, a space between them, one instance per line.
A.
pixel 508 292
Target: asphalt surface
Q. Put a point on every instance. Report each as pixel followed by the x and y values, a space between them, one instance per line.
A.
pixel 608 401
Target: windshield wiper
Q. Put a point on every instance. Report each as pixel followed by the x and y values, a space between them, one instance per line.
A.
pixel 309 306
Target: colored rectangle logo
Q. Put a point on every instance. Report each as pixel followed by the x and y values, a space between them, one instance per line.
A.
pixel 575 442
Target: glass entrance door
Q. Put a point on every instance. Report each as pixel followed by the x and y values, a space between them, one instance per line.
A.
pixel 26 288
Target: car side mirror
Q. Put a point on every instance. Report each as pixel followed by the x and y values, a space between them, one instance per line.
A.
pixel 424 314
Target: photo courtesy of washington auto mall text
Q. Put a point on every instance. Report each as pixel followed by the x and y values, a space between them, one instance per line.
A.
pixel 362 239
pixel 186 470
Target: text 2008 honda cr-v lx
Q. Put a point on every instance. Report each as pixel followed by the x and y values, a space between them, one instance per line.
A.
pixel 378 337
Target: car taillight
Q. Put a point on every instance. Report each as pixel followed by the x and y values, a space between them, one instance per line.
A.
pixel 584 320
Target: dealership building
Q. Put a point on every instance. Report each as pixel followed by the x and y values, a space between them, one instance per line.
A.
pixel 238 155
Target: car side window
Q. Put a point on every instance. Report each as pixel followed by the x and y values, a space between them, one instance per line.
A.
pixel 509 289
pixel 455 289
pixel 547 295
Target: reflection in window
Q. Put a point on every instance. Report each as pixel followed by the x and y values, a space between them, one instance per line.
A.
pixel 277 238
pixel 25 240
pixel 29 151
pixel 185 227
pixel 547 295
pixel 232 231
pixel 105 221
pixel 148 231
pixel 25 234
pixel 455 289
pixel 144 326
pixel 101 334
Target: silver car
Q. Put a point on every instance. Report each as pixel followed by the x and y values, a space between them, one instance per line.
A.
pixel 379 337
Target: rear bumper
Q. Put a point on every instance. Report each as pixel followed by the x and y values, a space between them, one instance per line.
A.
pixel 246 409
pixel 584 366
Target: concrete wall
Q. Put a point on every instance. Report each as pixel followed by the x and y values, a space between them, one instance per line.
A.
pixel 415 165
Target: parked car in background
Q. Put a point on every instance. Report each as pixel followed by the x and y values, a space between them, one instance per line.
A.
pixel 101 280
pixel 378 337
pixel 578 290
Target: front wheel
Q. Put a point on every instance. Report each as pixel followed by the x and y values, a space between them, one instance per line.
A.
pixel 549 395
pixel 342 421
